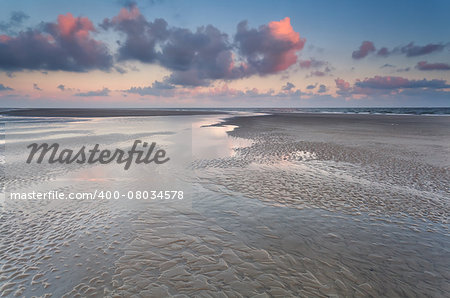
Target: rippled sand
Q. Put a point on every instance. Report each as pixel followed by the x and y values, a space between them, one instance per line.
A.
pixel 281 208
pixel 308 163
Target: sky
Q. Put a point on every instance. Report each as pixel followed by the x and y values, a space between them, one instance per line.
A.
pixel 157 53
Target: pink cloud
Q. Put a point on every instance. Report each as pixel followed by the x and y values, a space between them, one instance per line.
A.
pixel 365 48
pixel 68 25
pixel 342 84
pixel 196 58
pixel 270 48
pixel 283 30
pixel 64 45
pixel 127 14
pixel 4 38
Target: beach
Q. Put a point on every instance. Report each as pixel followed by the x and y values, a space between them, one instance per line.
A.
pixel 89 113
pixel 379 157
pixel 275 205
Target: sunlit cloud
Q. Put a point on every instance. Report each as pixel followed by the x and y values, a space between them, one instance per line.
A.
pixel 138 55
pixel 65 45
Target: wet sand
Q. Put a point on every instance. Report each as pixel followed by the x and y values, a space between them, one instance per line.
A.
pixel 279 206
pixel 390 165
pixel 427 136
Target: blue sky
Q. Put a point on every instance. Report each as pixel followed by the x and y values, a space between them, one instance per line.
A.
pixel 286 48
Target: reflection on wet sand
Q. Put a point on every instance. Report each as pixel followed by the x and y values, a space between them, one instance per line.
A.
pixel 269 214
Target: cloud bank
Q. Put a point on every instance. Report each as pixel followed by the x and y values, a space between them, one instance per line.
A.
pixel 103 92
pixel 423 65
pixel 409 50
pixel 379 85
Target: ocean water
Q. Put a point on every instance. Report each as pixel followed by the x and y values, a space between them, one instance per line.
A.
pixel 259 216
pixel 437 111
pixel 374 111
